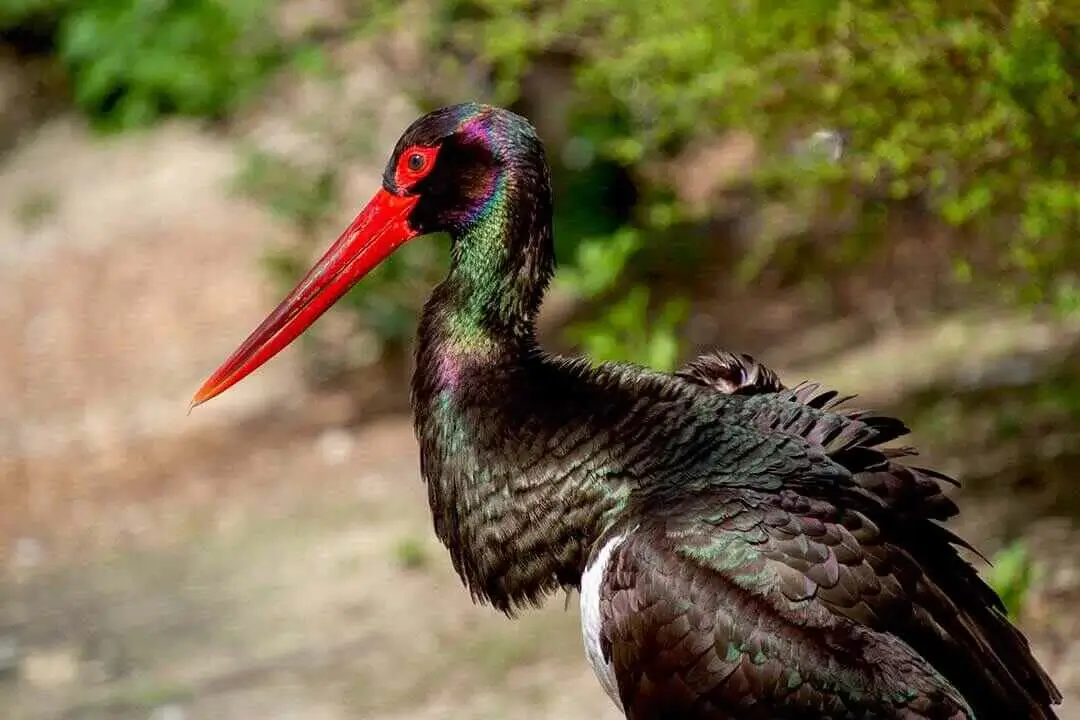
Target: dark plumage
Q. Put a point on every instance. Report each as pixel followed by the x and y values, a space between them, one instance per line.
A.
pixel 901 578
pixel 744 550
pixel 731 374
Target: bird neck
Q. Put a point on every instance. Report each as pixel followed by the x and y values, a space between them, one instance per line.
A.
pixel 502 260
pixel 482 317
pixel 517 524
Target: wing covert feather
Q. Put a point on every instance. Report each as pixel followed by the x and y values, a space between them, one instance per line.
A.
pixel 703 622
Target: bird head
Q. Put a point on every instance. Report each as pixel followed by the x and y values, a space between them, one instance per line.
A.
pixel 449 170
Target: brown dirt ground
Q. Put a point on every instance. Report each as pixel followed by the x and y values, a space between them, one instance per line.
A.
pixel 229 587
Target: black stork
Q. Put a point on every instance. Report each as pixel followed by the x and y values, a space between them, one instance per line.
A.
pixel 742 550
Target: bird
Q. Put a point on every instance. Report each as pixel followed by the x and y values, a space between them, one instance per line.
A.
pixel 743 550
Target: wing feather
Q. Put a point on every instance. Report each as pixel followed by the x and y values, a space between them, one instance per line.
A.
pixel 883 561
pixel 724 624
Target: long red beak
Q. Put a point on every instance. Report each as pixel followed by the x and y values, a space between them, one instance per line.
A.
pixel 380 228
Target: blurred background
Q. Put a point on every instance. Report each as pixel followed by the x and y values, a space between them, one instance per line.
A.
pixel 881 197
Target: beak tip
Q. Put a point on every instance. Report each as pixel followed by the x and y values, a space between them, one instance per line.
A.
pixel 204 393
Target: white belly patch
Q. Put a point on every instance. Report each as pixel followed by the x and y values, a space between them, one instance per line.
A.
pixel 591 621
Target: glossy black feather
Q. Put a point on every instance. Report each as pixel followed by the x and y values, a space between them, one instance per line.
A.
pixel 867 588
pixel 691 641
pixel 731 374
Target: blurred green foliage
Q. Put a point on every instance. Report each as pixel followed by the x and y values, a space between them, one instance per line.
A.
pixel 410 553
pixel 131 62
pixel 1013 574
pixel 622 332
pixel 968 107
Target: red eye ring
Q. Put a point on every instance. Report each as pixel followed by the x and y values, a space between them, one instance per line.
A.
pixel 413 164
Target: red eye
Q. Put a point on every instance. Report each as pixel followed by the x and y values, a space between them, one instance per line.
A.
pixel 414 163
